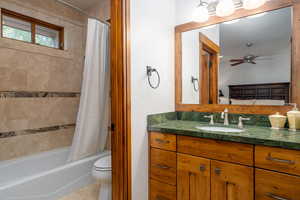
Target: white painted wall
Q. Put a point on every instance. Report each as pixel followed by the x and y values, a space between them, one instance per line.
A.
pixel 191 60
pixel 152 43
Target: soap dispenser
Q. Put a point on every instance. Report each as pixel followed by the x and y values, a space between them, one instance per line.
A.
pixel 294 118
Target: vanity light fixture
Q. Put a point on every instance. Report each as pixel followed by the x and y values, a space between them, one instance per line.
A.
pixel 253 4
pixel 225 8
pixel 201 12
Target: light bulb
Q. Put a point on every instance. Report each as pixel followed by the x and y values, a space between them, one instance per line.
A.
pixel 225 8
pixel 201 14
pixel 253 4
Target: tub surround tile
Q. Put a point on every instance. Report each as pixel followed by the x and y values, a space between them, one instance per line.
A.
pixel 32 113
pixel 256 132
pixel 24 145
pixel 40 85
pixel 36 72
pixel 35 131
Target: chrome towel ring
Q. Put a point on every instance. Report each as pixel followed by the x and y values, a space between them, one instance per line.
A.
pixel 150 71
pixel 195 80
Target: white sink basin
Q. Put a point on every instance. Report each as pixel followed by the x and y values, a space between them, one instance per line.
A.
pixel 220 129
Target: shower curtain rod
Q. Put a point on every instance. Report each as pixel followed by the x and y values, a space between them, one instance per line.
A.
pixel 82 11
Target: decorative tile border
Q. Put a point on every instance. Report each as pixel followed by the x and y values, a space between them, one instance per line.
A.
pixel 25 94
pixel 35 131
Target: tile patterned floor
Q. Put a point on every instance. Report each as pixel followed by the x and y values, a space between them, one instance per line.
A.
pixel 89 192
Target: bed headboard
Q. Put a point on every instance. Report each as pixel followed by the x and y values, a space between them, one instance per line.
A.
pixel 275 91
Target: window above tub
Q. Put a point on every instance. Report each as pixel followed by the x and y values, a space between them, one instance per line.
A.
pixel 31 30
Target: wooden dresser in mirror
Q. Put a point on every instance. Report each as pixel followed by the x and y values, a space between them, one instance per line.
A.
pixel 247 62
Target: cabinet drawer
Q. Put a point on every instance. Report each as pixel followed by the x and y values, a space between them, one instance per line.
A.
pixel 219 150
pixel 278 159
pixel 163 141
pixel 276 186
pixel 161 191
pixel 163 166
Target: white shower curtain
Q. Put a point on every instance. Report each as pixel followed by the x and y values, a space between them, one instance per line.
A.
pixel 94 110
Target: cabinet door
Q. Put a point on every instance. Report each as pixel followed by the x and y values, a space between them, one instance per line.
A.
pixel 193 178
pixel 231 181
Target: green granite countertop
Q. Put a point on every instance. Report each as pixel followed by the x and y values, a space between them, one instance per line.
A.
pixel 252 135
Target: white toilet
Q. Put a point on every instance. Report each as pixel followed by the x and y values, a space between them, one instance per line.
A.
pixel 102 172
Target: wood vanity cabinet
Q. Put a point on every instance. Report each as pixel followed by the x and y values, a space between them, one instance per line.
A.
pixel 190 168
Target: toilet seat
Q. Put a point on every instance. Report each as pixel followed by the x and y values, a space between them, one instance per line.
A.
pixel 103 164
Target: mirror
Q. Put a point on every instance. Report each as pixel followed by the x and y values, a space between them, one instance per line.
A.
pixel 245 61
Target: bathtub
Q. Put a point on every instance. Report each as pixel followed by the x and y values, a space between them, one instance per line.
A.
pixel 44 176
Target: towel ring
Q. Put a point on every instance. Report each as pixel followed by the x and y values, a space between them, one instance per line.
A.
pixel 194 80
pixel 151 70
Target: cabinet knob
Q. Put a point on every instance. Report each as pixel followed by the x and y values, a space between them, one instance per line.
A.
pixel 202 168
pixel 218 171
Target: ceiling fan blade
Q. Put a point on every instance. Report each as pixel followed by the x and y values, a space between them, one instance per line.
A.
pixel 238 63
pixel 252 62
pixel 264 58
pixel 236 60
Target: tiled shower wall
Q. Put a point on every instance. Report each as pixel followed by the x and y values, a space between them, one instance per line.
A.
pixel 40 86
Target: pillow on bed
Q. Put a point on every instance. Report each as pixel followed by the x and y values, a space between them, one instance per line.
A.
pixel 269 102
pixel 242 102
pixel 224 100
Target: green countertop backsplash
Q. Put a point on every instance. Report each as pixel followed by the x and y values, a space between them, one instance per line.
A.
pixel 257 130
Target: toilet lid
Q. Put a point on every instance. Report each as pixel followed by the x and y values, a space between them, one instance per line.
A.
pixel 103 163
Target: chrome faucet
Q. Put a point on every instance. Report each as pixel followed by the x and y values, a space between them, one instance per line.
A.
pixel 241 119
pixel 224 115
pixel 211 117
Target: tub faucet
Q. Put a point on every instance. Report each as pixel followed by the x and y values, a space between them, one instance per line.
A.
pixel 224 115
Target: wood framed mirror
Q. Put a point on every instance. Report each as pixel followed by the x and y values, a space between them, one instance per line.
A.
pixel 268 41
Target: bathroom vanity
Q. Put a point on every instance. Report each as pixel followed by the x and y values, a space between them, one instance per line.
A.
pixel 187 163
pixel 246 66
